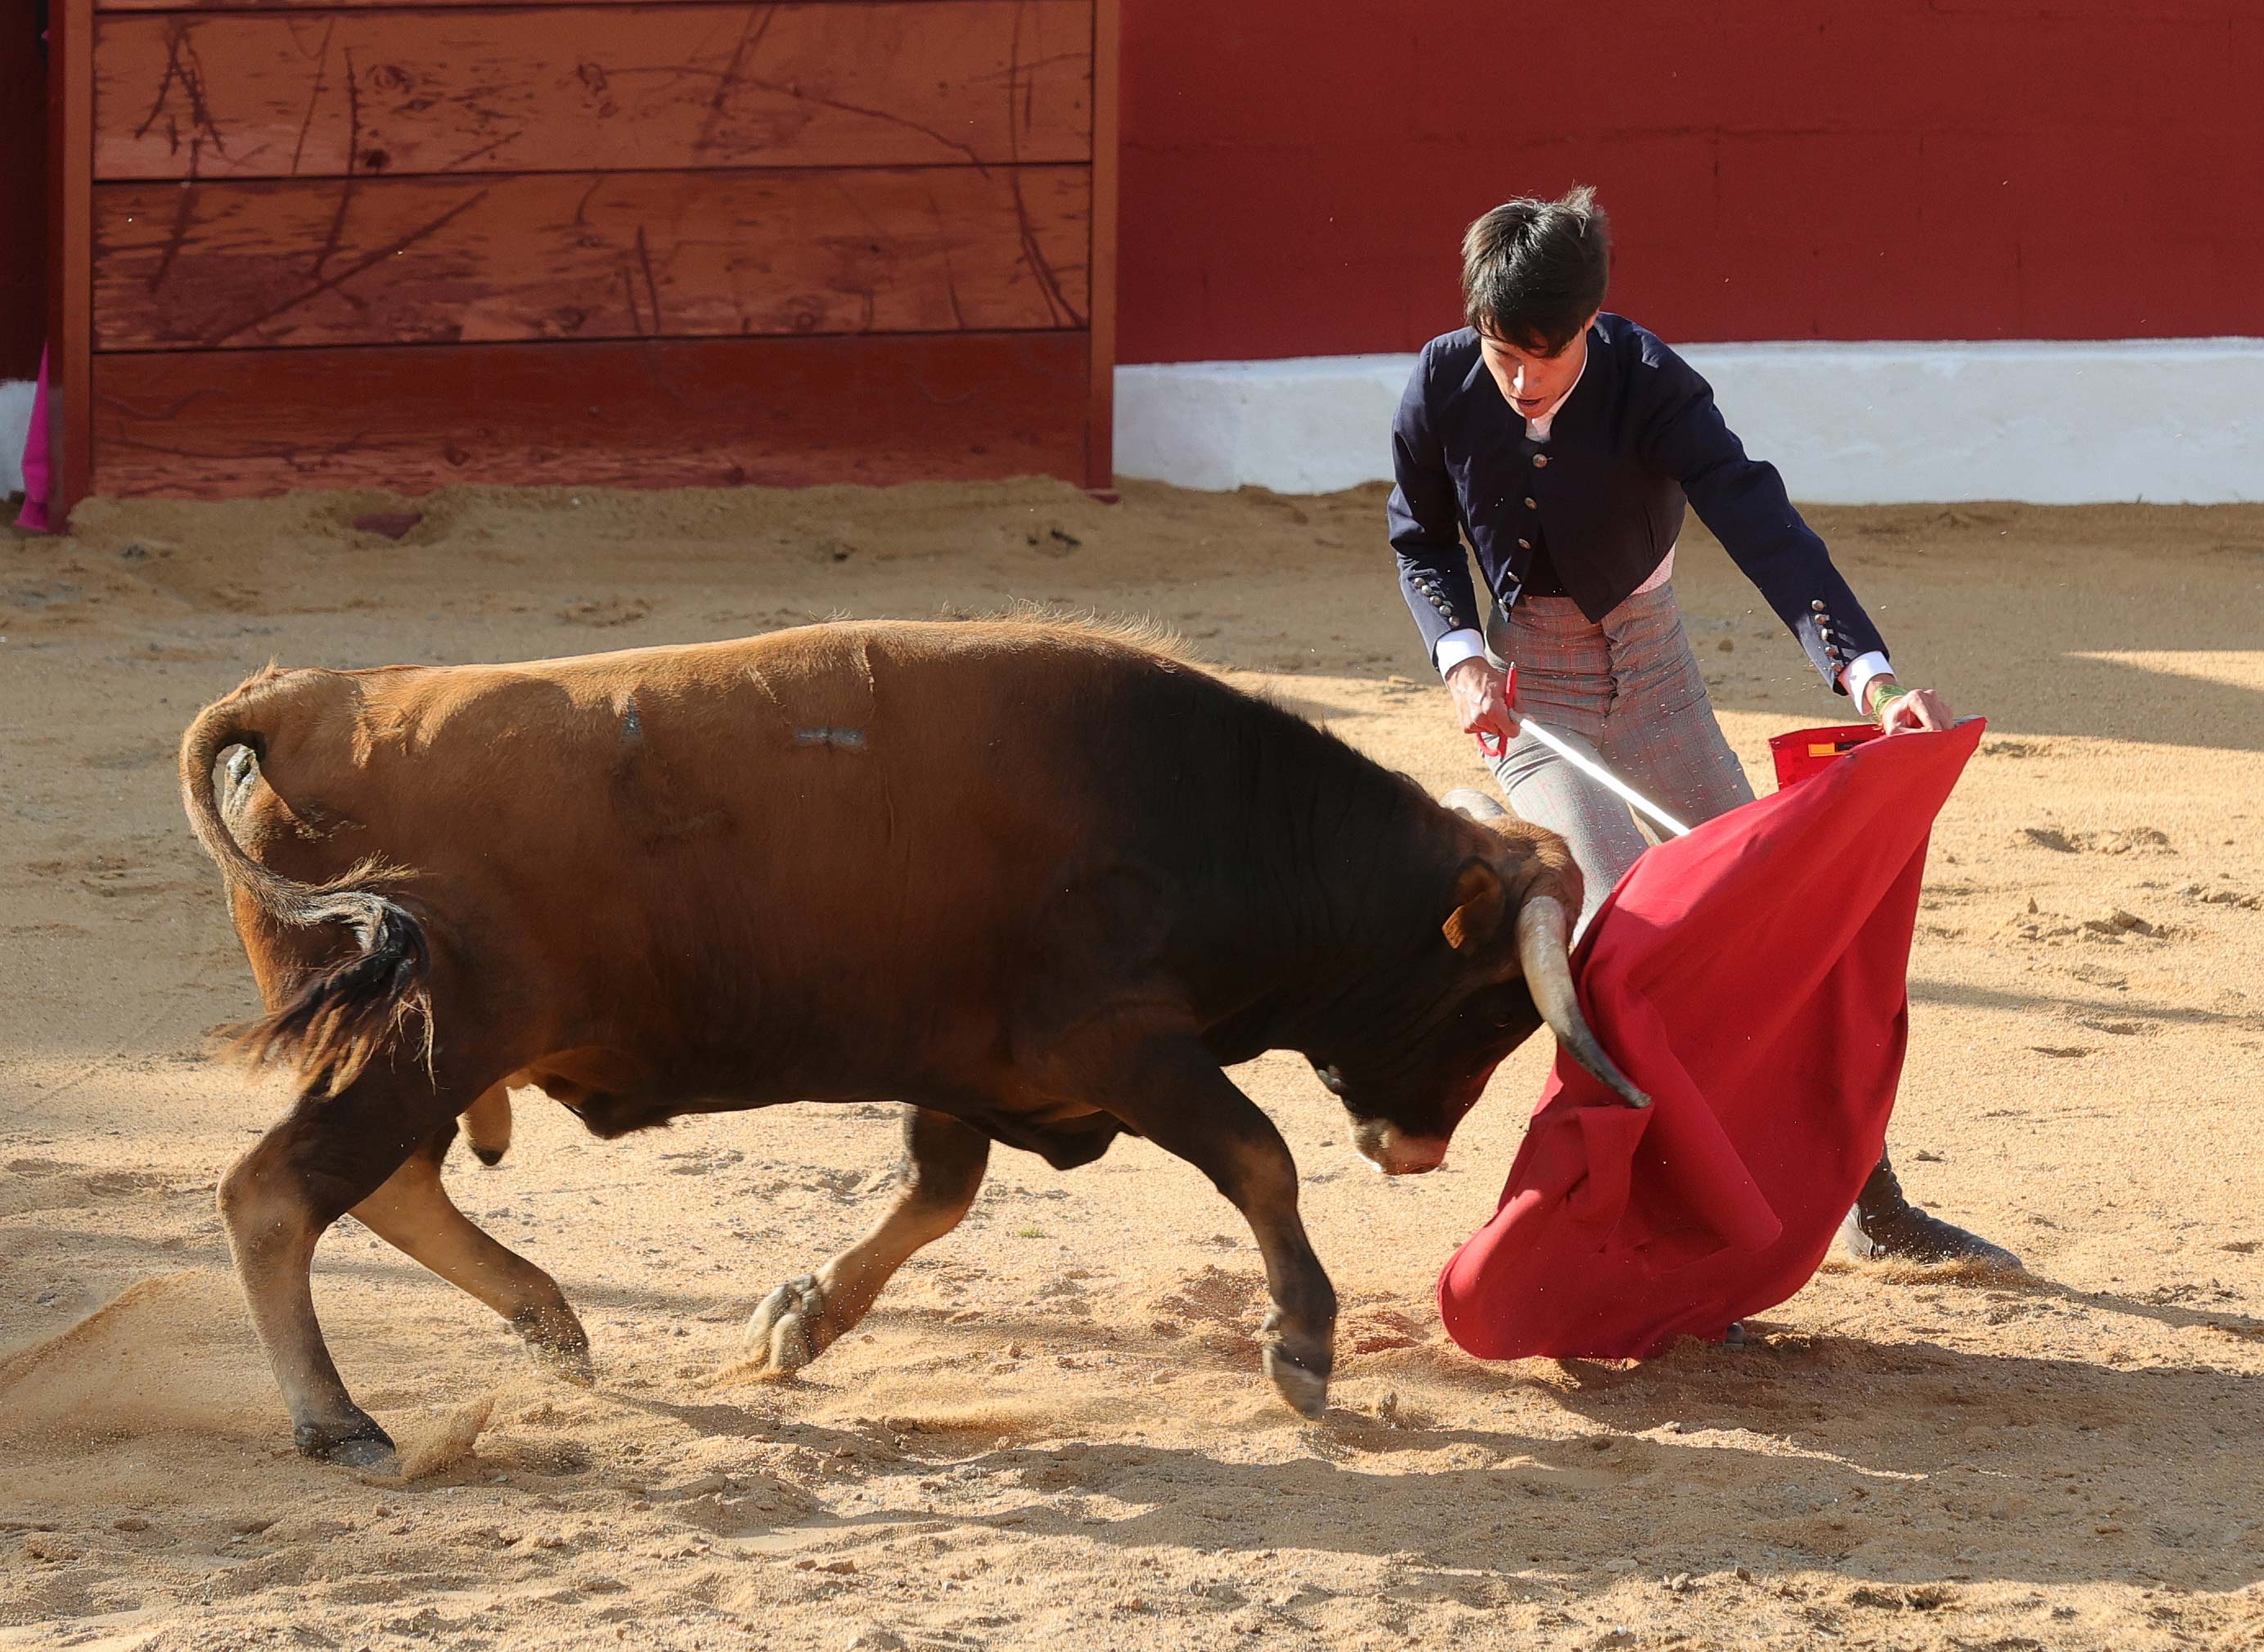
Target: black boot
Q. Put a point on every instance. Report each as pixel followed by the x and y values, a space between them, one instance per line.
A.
pixel 1884 1226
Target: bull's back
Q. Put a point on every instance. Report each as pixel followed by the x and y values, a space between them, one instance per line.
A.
pixel 750 829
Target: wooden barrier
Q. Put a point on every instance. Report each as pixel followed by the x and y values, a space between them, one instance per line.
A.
pixel 618 241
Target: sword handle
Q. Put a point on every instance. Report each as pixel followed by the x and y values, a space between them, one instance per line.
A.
pixel 1509 699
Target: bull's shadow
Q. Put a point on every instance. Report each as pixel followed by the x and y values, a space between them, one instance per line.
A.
pixel 1898 1464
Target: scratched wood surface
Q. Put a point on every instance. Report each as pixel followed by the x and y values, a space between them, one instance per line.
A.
pixel 580 256
pixel 1108 51
pixel 657 414
pixel 70 285
pixel 390 5
pixel 594 88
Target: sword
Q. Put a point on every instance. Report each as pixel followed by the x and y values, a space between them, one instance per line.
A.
pixel 1581 761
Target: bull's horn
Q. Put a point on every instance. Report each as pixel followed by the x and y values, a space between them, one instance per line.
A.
pixel 1543 950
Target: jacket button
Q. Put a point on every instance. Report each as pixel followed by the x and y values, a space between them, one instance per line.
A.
pixel 1531 503
pixel 1540 461
pixel 1818 605
pixel 1525 545
pixel 1834 651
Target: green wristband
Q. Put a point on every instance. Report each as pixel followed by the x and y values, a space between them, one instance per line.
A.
pixel 1884 696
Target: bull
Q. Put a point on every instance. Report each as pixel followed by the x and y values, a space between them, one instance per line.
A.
pixel 1041 882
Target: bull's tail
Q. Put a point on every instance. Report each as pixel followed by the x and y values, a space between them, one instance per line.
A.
pixel 336 1016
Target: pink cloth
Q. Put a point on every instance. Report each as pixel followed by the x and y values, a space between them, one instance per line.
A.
pixel 38 478
pixel 1751 977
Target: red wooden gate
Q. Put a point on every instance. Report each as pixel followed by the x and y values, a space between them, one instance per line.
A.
pixel 620 242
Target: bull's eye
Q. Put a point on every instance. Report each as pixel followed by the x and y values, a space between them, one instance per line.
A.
pixel 1330 1078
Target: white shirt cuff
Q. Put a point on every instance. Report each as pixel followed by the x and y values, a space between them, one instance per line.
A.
pixel 1856 674
pixel 1466 644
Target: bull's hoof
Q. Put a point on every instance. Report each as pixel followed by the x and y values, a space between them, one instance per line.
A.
pixel 787 1327
pixel 366 1446
pixel 1305 1389
pixel 568 1365
pixel 367 1456
pixel 489 1156
pixel 558 1345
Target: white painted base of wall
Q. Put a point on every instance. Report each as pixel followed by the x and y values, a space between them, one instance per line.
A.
pixel 15 426
pixel 2163 421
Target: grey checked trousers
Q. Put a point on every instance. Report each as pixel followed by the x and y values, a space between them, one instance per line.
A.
pixel 1628 693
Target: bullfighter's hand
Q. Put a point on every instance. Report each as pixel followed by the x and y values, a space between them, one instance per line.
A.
pixel 1481 701
pixel 1906 713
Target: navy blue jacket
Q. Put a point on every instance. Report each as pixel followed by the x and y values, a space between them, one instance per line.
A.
pixel 1638 436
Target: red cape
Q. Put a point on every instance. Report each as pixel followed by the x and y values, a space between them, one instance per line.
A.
pixel 1752 977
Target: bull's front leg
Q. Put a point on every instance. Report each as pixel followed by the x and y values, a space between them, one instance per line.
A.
pixel 1170 1089
pixel 943 1165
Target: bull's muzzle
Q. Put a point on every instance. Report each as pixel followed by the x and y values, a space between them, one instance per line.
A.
pixel 1395 1152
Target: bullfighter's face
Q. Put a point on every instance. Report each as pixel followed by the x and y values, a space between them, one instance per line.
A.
pixel 1531 380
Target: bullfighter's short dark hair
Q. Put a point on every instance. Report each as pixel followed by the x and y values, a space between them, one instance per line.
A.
pixel 1534 271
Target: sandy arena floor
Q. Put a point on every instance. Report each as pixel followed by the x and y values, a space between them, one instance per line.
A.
pixel 1052 1430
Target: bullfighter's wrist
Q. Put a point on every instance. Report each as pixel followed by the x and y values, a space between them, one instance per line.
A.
pixel 1456 647
pixel 1882 691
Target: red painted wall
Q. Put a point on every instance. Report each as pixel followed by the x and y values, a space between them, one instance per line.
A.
pixel 1296 177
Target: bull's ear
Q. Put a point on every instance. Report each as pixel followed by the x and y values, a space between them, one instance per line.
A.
pixel 1479 899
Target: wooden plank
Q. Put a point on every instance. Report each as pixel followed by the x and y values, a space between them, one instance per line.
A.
pixel 70 286
pixel 329 94
pixel 201 7
pixel 665 414
pixel 1100 422
pixel 590 256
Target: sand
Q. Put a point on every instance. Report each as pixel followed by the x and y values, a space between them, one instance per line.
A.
pixel 1052 1430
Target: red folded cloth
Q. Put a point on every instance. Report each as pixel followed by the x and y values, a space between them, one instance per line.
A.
pixel 1751 977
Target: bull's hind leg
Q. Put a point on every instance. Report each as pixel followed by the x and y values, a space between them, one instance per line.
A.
pixel 943 1165
pixel 326 1157
pixel 413 1213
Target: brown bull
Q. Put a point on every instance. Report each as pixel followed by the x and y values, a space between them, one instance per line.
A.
pixel 1040 882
